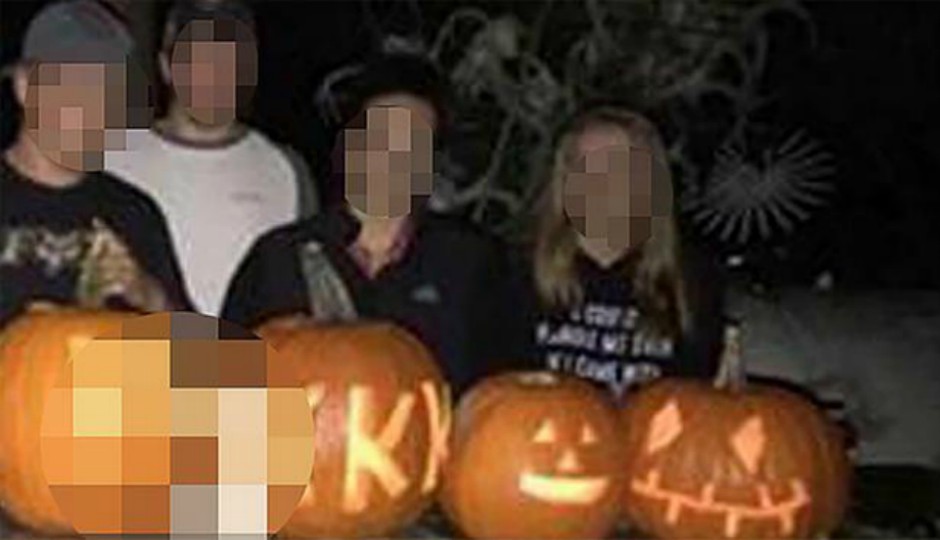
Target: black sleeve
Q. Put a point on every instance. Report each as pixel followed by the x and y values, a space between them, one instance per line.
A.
pixel 700 350
pixel 500 321
pixel 268 283
pixel 144 226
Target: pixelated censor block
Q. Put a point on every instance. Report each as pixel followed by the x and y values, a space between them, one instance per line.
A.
pixel 184 424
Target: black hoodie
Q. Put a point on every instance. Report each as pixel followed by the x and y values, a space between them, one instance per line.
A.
pixel 446 289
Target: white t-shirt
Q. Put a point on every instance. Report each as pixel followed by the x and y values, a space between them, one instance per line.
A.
pixel 217 201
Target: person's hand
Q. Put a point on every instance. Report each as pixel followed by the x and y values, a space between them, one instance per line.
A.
pixel 288 322
pixel 111 271
pixel 279 328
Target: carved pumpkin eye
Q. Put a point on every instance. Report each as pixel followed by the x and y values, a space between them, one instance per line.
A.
pixel 546 433
pixel 749 442
pixel 588 435
pixel 665 427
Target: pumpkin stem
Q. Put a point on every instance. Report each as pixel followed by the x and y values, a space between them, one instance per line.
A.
pixel 731 374
pixel 42 306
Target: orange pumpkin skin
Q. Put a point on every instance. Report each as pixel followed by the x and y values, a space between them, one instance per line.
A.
pixel 533 455
pixel 34 348
pixel 756 462
pixel 383 380
pixel 276 330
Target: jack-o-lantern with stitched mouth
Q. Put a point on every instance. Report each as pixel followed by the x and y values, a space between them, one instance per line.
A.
pixel 731 460
pixel 534 455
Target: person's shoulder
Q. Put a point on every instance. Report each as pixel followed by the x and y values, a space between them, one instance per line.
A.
pixel 277 153
pixel 134 141
pixel 705 276
pixel 450 229
pixel 259 142
pixel 115 191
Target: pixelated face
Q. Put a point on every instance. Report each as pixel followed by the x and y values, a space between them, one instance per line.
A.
pixel 73 111
pixel 388 155
pixel 610 192
pixel 139 437
pixel 213 69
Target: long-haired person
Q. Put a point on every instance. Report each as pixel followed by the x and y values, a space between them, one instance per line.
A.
pixel 615 295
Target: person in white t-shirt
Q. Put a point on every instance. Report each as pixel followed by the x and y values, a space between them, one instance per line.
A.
pixel 220 183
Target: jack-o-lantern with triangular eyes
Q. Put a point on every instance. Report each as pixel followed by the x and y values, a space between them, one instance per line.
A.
pixel 731 461
pixel 534 455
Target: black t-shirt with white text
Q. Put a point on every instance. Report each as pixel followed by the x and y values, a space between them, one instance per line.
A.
pixel 46 233
pixel 604 339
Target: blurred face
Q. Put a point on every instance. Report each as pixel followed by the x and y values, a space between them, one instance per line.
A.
pixel 74 112
pixel 213 69
pixel 609 191
pixel 388 155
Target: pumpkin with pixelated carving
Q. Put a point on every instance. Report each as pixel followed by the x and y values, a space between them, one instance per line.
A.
pixel 733 459
pixel 381 414
pixel 34 348
pixel 534 455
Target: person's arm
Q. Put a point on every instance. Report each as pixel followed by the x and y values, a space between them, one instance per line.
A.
pixel 700 350
pixel 152 247
pixel 267 284
pixel 308 202
pixel 499 313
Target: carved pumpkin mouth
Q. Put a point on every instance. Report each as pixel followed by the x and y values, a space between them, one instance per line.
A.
pixel 563 490
pixel 783 511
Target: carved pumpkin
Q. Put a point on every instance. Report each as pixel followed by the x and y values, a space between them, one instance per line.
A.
pixel 731 460
pixel 276 330
pixel 534 455
pixel 33 350
pixel 381 414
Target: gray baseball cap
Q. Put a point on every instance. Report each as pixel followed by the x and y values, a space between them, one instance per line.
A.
pixel 77 31
pixel 85 31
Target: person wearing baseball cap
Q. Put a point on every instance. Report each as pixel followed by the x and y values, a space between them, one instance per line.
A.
pixel 74 54
pixel 70 233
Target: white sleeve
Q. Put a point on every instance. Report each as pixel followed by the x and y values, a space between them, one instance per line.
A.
pixel 308 201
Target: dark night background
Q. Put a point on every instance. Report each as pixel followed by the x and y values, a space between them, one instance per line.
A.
pixel 870 90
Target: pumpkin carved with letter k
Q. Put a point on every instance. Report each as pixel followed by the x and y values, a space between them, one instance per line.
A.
pixel 381 415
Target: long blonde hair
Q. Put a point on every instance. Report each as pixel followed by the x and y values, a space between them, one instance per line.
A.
pixel 657 278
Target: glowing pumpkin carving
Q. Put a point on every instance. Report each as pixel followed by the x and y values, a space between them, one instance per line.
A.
pixel 731 461
pixel 534 455
pixel 381 414
pixel 34 349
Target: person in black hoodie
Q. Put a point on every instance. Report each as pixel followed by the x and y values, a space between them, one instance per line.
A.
pixel 379 253
pixel 612 294
pixel 69 233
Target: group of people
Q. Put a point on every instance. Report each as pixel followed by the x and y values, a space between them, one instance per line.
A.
pixel 200 212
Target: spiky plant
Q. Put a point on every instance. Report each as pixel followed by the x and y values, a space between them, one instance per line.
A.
pixel 517 74
pixel 747 196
